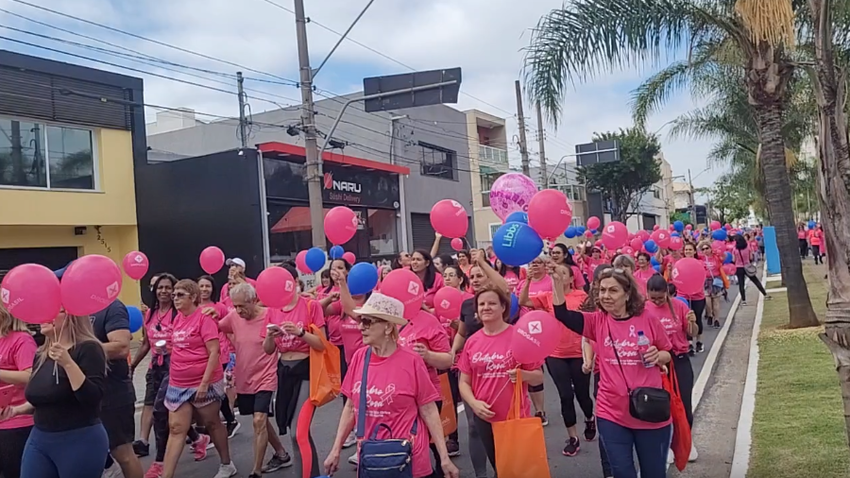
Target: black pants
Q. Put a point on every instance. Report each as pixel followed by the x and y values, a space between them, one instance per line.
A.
pixel 343 369
pixel 698 306
pixel 741 274
pixel 804 248
pixel 685 377
pixel 454 380
pixel 572 384
pixel 485 433
pixel 438 471
pixel 816 254
pixel 12 443
pixel 226 410
pixel 603 455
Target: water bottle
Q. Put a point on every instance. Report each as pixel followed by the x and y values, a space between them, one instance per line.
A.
pixel 643 345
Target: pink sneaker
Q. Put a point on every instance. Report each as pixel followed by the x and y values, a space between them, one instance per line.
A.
pixel 155 471
pixel 199 448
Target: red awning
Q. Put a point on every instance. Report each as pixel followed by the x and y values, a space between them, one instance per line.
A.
pixel 296 219
pixel 285 149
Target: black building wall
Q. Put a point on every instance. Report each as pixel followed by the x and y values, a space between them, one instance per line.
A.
pixel 186 205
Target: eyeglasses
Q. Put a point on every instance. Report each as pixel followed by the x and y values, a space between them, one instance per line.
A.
pixel 178 295
pixel 369 321
pixel 613 270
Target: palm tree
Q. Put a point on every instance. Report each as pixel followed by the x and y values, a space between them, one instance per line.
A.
pixel 575 42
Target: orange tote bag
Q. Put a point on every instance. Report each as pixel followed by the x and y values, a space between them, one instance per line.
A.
pixel 520 443
pixel 325 372
pixel 447 415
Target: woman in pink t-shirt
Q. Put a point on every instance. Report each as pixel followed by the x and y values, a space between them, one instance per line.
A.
pixel 643 271
pixel 561 256
pixel 454 277
pixel 422 265
pixel 624 366
pixel 801 240
pixel 17 352
pixel 816 241
pixel 487 369
pixel 196 379
pixel 715 282
pixel 217 311
pixel 512 275
pixel 329 302
pixel 398 392
pixel 696 300
pixel 741 255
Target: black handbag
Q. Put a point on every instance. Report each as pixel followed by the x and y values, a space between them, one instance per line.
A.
pixel 648 404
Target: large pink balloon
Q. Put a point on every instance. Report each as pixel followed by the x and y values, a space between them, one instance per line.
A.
pixel 404 285
pixel 643 235
pixel 447 302
pixel 301 262
pixel 549 213
pixel 212 259
pixel 349 257
pixel 688 275
pixel 340 225
pixel 30 292
pixel 636 244
pixel 615 234
pixel 661 237
pixel 593 222
pixel 135 265
pixel 715 225
pixel 448 217
pixel 276 287
pixel 512 192
pixel 676 244
pixel 536 334
pixel 718 247
pixel 90 284
pixel 729 269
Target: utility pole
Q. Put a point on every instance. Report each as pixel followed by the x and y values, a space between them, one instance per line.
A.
pixel 523 146
pixel 541 141
pixel 308 125
pixel 693 209
pixel 243 122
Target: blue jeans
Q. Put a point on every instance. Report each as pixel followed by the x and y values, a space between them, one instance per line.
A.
pixel 650 445
pixel 78 453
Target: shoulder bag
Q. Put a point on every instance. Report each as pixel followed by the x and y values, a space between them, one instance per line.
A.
pixel 648 404
pixel 391 458
pixel 749 269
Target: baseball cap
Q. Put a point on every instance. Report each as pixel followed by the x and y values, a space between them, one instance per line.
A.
pixel 60 272
pixel 239 262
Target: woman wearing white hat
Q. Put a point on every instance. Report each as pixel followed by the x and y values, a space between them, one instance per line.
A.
pixel 400 399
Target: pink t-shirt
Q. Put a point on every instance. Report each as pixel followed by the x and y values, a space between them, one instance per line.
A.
pixel 158 327
pixel 17 352
pixel 333 319
pixel 352 338
pixel 302 316
pixel 486 359
pixel 396 387
pixel 536 287
pixel 189 356
pixel 642 277
pixel 613 398
pixel 578 278
pixel 713 263
pixel 741 257
pixel 225 296
pixel 256 371
pixel 432 291
pixel 676 327
pixel 224 344
pixel 512 279
pixel 427 329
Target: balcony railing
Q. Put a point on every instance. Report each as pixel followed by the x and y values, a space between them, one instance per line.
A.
pixel 493 156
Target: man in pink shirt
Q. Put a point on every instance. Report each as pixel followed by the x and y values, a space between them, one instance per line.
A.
pixel 255 374
pixel 235 266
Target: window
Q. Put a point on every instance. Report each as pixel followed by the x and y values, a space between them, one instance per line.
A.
pixel 493 228
pixel 488 177
pixel 438 162
pixel 45 156
pixel 656 193
pixel 577 221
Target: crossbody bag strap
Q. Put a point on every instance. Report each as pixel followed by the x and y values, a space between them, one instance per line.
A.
pixel 616 354
pixel 361 411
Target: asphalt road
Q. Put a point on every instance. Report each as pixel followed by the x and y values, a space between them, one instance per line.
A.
pixel 585 464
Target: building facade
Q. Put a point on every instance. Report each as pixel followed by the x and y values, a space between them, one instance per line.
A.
pixel 70 137
pixel 488 160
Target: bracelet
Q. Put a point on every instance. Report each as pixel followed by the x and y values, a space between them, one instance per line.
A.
pixel 302 333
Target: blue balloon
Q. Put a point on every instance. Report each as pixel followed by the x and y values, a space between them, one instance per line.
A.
pixel 679 226
pixel 362 278
pixel 728 259
pixel 705 230
pixel 516 244
pixel 812 224
pixel 136 318
pixel 580 230
pixel 570 232
pixel 683 300
pixel 654 261
pixel 571 251
pixel 719 235
pixel 315 259
pixel 517 216
pixel 336 252
pixel 674 234
pixel 593 231
pixel 650 246
pixel 657 267
pixel 514 307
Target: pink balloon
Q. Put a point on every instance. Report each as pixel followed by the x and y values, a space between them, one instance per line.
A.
pixel 135 265
pixel 276 287
pixel 447 302
pixel 636 244
pixel 655 227
pixel 729 269
pixel 301 262
pixel 593 222
pixel 715 225
pixel 212 259
pixel 30 292
pixel 598 244
pixel 643 235
pixel 404 285
pixel 549 213
pixel 588 233
pixel 340 225
pixel 349 257
pixel 536 334
pixel 676 244
pixel 728 226
pixel 628 251
pixel 90 284
pixel 457 244
pixel 615 234
pixel 448 217
pixel 688 227
pixel 688 275
pixel 718 247
pixel 661 237
pixel 512 192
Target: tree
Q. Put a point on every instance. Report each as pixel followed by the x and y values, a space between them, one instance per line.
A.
pixel 623 183
pixel 583 37
pixel 730 198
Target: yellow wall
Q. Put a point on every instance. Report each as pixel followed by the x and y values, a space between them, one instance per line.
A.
pixel 113 204
pixel 115 243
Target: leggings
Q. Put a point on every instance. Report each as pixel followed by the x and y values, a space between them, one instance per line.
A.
pixel 226 411
pixel 160 423
pixel 343 369
pixel 12 442
pixel 485 432
pixel 454 380
pixel 698 306
pixel 572 384
pixel 741 274
pixel 477 450
pixel 816 254
pixel 804 248
pixel 78 453
pixel 438 472
pixel 685 377
pixel 289 388
pixel 603 455
pixel 622 443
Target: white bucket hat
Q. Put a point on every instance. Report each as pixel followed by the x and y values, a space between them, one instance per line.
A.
pixel 383 307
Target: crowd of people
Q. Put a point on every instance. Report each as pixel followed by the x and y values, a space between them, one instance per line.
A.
pixel 71 411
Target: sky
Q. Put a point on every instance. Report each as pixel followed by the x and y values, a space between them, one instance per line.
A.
pixel 483 37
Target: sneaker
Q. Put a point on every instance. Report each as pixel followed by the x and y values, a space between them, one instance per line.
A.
pixel 155 471
pixel 254 475
pixel 671 458
pixel 113 471
pixel 572 447
pixel 543 418
pixel 716 324
pixel 350 441
pixel 590 429
pixel 743 302
pixel 226 471
pixel 692 457
pixel 354 459
pixel 199 448
pixel 232 428
pixel 278 462
pixel 453 447
pixel 691 350
pixel 700 348
pixel 141 449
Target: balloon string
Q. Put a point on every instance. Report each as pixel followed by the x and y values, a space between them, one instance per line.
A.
pixel 55 364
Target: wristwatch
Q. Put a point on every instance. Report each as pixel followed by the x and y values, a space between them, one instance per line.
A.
pixel 301 334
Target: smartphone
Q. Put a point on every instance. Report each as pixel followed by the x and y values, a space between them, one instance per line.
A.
pixel 6 394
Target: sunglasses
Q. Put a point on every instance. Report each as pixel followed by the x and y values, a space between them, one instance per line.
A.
pixel 613 270
pixel 369 321
pixel 179 295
